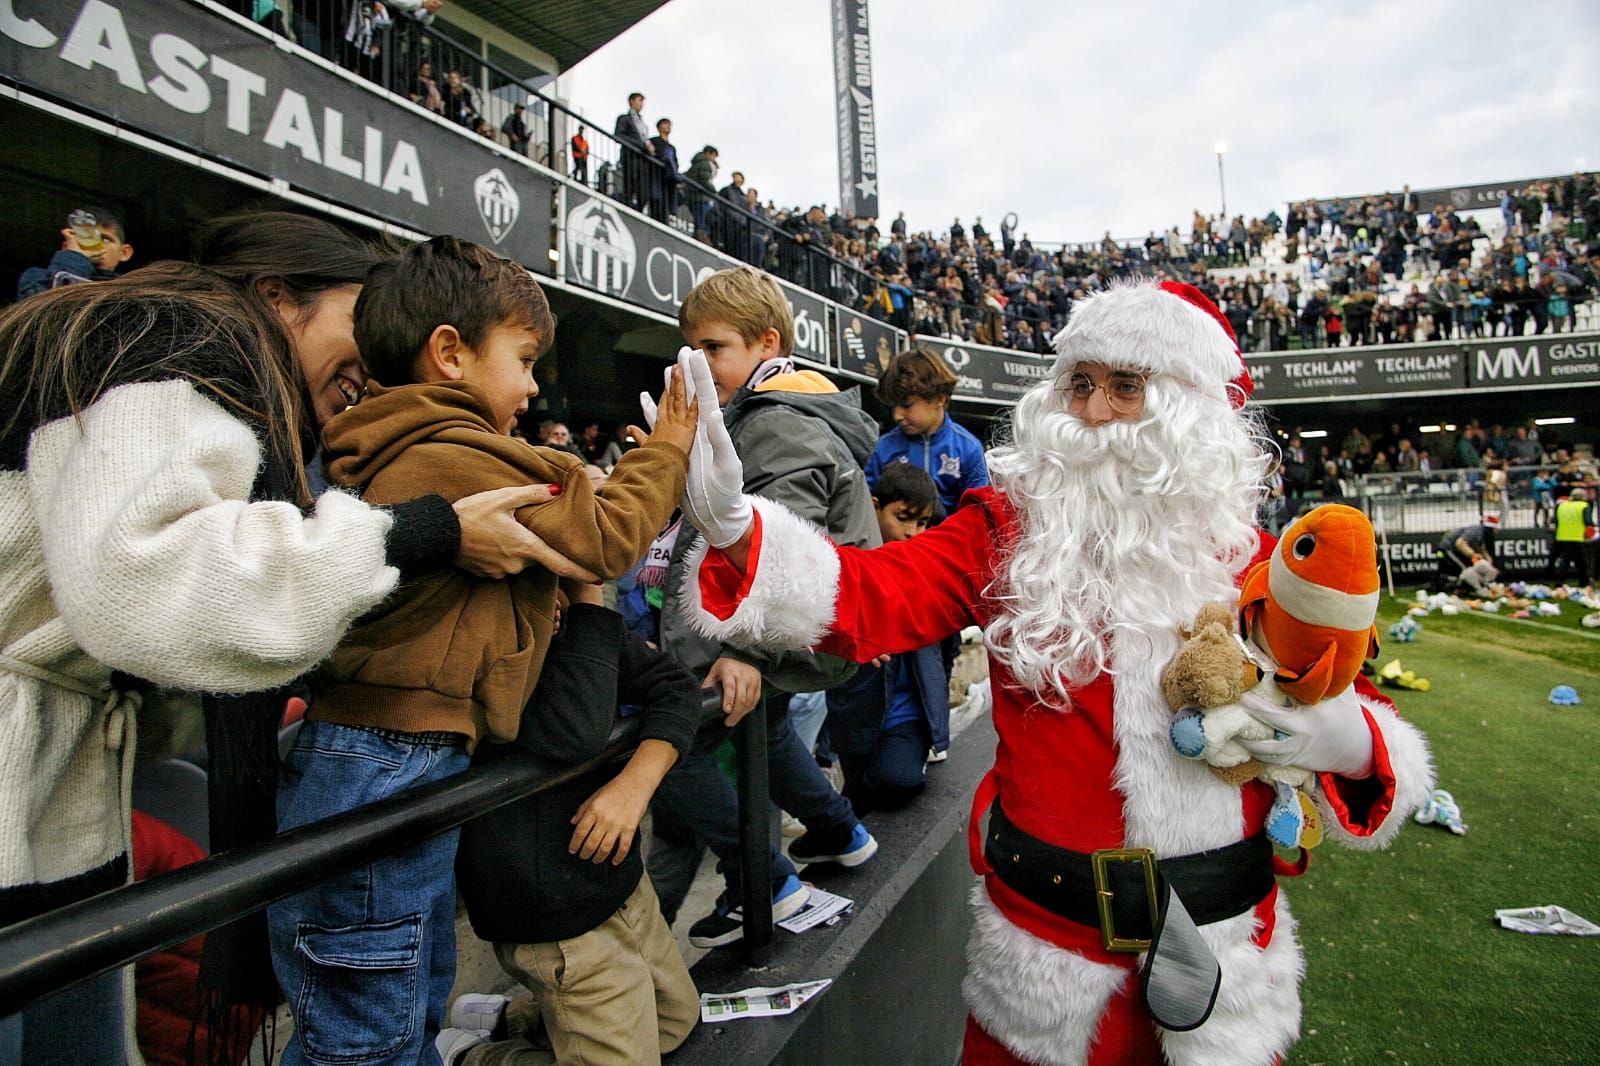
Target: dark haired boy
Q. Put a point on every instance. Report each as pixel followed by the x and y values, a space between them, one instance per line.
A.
pixel 884 722
pixel 450 333
pixel 568 909
pixel 77 259
pixel 917 386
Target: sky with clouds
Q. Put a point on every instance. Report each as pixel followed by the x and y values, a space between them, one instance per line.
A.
pixel 1088 116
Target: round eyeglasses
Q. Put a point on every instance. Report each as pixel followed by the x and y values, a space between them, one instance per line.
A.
pixel 1124 391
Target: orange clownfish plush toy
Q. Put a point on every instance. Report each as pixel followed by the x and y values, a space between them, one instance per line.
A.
pixel 1311 605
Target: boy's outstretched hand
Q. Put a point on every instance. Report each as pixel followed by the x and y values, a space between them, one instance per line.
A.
pixel 674 420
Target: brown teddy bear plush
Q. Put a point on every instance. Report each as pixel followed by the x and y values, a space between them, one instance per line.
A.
pixel 1212 670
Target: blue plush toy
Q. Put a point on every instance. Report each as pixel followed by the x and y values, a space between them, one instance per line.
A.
pixel 1405 630
pixel 1442 810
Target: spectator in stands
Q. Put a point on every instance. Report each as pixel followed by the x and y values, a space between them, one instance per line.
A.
pixel 637 151
pixel 516 131
pixel 580 156
pixel 702 177
pixel 664 177
pixel 424 89
pixel 556 881
pixel 1406 457
pixel 916 386
pixel 204 383
pixel 460 102
pixel 450 333
pixel 801 442
pixel 93 246
pixel 1559 310
pixel 1313 315
pixel 888 721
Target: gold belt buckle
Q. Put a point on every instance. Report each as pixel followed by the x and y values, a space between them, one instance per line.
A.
pixel 1098 861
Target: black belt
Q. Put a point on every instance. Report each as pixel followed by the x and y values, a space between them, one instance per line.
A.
pixel 1116 891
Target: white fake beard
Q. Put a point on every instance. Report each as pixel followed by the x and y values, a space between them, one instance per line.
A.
pixel 1125 526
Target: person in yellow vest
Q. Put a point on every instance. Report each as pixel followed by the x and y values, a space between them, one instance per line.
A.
pixel 1575 534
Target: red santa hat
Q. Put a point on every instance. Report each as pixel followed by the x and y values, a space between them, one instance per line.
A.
pixel 1166 327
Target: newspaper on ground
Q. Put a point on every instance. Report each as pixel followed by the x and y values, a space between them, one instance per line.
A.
pixel 759 1002
pixel 822 908
pixel 1547 919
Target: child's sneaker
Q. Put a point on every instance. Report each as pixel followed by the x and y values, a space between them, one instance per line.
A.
pixel 725 925
pixel 453 1044
pixel 850 849
pixel 477 1010
pixel 938 754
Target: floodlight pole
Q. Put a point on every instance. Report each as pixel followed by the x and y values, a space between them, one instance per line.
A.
pixel 1222 149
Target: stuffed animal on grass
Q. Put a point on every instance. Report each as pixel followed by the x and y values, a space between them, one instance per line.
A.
pixel 1306 615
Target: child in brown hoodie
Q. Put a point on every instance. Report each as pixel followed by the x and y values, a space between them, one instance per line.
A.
pixel 450 333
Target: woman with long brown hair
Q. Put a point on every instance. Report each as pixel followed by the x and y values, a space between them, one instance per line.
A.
pixel 154 431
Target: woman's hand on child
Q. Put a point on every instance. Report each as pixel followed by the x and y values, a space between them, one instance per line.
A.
pixel 608 820
pixel 495 545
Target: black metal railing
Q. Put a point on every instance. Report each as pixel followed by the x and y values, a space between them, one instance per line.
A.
pixel 83 940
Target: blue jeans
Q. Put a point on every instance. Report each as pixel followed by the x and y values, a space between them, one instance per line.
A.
pixel 893 773
pixel 78 1026
pixel 366 959
pixel 704 800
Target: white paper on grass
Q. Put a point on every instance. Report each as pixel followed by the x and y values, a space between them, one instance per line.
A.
pixel 759 1002
pixel 1549 919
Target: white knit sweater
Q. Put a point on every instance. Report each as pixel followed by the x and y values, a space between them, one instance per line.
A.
pixel 130 543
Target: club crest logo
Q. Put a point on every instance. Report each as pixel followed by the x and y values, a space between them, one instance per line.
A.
pixel 498 203
pixel 601 253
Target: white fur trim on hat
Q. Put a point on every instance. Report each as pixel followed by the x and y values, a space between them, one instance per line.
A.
pixel 792 595
pixel 1139 325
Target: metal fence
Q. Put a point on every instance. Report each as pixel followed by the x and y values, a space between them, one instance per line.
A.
pixel 94 936
pixel 1439 502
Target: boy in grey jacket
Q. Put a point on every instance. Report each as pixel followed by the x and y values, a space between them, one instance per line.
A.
pixel 802 443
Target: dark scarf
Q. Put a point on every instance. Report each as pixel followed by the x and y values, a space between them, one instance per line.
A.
pixel 237 987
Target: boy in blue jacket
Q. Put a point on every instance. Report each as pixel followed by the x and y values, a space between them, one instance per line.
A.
pixel 884 722
pixel 917 386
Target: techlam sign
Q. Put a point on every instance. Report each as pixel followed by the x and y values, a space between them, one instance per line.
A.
pixel 1551 360
pixel 183 74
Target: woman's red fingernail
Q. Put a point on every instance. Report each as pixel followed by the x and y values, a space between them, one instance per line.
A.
pixel 555 490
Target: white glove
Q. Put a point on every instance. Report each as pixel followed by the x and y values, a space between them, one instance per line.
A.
pixel 1331 736
pixel 713 500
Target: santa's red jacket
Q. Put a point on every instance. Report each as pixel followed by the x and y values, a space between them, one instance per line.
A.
pixel 1102 774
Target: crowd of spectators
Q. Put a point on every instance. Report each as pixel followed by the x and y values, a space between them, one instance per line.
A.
pixel 1326 274
pixel 1366 270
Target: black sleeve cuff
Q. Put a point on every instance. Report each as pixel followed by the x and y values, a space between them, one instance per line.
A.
pixel 425 536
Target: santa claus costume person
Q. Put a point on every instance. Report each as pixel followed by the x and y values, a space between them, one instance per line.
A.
pixel 1125 501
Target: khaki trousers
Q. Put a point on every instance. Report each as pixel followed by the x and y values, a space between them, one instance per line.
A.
pixel 618 995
